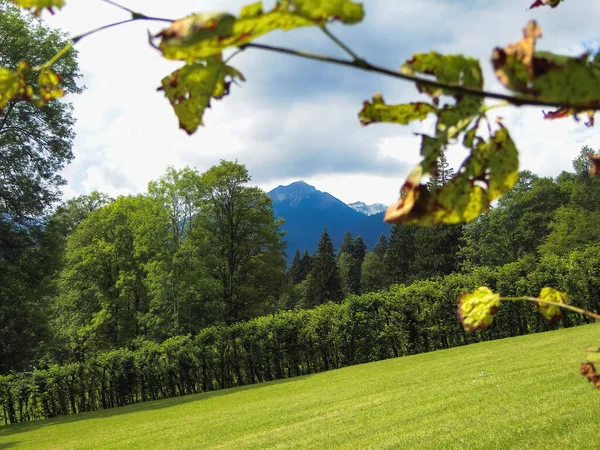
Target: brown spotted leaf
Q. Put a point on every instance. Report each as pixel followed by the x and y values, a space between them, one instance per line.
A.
pixel 13 86
pixel 476 310
pixel 550 3
pixel 191 88
pixel 548 77
pixel 49 82
pixel 595 169
pixel 552 313
pixel 588 370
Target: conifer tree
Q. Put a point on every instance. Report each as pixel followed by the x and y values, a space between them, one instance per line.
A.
pixel 325 278
pixel 305 266
pixel 347 244
pixel 381 247
pixel 400 254
pixel 359 249
pixel 293 273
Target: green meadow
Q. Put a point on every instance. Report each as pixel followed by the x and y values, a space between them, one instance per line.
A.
pixel 522 392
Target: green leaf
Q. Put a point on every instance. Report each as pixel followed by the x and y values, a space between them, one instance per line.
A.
pixel 190 89
pixel 49 85
pixel 552 313
pixel 40 5
pixel 476 310
pixel 550 3
pixel 379 111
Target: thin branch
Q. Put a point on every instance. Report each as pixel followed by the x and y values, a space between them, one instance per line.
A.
pixel 343 46
pixel 585 312
pixel 124 8
pixel 363 65
pixel 136 15
pixel 76 39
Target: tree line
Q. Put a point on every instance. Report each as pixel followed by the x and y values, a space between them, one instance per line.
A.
pixel 396 321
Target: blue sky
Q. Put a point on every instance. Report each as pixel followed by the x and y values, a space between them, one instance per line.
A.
pixel 297 119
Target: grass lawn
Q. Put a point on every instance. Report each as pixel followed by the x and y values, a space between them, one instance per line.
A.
pixel 516 393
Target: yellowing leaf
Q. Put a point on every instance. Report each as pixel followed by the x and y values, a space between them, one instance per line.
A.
pixel 476 310
pixel 551 313
pixel 40 5
pixel 490 170
pixel 503 164
pixel 190 89
pixel 322 11
pixel 9 86
pixel 379 111
pixel 203 35
pixel 49 85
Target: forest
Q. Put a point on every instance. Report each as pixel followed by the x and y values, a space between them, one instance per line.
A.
pixel 184 288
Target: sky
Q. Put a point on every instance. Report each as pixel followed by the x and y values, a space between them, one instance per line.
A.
pixel 295 119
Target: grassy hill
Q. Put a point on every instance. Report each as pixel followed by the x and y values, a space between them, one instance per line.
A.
pixel 522 392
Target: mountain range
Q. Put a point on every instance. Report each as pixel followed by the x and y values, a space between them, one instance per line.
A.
pixel 307 211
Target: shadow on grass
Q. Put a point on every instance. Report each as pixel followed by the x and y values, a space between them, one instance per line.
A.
pixel 18 428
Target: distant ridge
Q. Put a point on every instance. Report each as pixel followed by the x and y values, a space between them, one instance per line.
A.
pixel 307 211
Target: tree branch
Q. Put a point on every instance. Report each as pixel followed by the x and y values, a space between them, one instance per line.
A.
pixel 363 65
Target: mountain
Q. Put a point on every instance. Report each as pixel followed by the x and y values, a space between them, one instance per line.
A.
pixel 307 211
pixel 368 210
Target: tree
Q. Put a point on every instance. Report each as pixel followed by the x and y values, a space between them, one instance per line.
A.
pixel 103 299
pixel 359 249
pixel 346 264
pixel 244 248
pixel 184 297
pixel 400 254
pixel 347 244
pixel 517 226
pixel 305 266
pixel 293 273
pixel 35 142
pixel 381 246
pixel 325 282
pixel 373 276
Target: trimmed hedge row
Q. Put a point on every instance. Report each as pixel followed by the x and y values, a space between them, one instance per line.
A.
pixel 400 321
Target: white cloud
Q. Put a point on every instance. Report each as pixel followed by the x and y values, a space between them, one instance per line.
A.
pixel 296 119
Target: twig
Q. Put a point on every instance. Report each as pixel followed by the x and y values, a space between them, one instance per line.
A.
pixel 342 45
pixel 363 65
